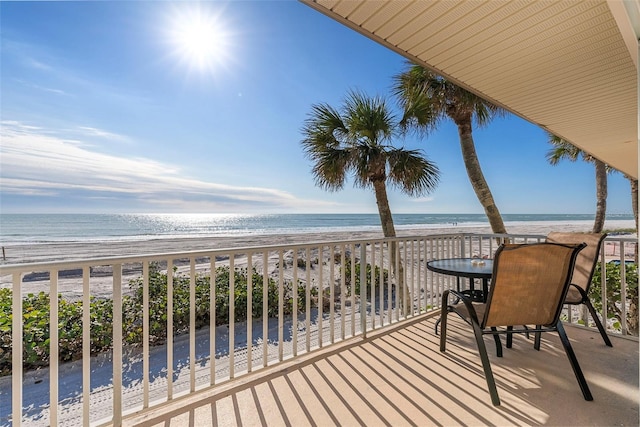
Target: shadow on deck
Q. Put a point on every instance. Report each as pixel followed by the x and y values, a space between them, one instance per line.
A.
pixel 399 377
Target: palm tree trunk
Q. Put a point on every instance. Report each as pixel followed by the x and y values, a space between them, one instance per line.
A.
pixel 634 199
pixel 388 229
pixel 601 195
pixel 476 176
pixel 382 201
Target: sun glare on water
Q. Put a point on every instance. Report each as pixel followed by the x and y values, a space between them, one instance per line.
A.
pixel 199 39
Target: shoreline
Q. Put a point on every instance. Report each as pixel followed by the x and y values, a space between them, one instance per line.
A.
pixel 70 283
pixel 52 251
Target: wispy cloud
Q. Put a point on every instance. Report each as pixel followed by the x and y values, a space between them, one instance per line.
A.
pixel 37 162
pixel 41 88
pixel 34 63
pixel 100 133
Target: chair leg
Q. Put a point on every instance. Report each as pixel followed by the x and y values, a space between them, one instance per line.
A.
pixel 536 339
pixel 443 321
pixel 598 323
pixel 496 338
pixel 509 337
pixel 486 366
pixel 574 362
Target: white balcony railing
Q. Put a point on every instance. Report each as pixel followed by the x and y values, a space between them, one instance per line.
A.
pixel 179 322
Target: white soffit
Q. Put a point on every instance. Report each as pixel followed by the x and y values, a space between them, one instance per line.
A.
pixel 565 65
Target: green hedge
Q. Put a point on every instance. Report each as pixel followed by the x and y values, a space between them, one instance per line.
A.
pixel 614 294
pixel 36 314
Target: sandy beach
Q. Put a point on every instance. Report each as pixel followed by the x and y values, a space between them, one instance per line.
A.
pixel 102 286
pixel 64 251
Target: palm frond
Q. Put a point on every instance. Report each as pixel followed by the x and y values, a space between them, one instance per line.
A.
pixel 412 172
pixel 330 168
pixel 368 119
pixel 561 150
pixel 417 88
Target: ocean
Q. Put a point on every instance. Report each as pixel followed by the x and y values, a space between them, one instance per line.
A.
pixel 46 228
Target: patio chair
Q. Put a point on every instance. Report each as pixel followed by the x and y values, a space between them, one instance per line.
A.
pixel 582 274
pixel 530 282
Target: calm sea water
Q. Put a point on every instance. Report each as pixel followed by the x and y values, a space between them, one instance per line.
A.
pixel 36 228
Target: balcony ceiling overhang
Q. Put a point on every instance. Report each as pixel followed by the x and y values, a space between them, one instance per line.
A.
pixel 570 67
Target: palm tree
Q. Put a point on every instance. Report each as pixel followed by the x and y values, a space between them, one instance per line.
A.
pixel 427 99
pixel 563 149
pixel 356 139
pixel 634 200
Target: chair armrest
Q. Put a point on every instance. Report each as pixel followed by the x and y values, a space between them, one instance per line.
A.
pixel 468 303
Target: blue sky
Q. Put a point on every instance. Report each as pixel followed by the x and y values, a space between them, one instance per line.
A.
pixel 106 107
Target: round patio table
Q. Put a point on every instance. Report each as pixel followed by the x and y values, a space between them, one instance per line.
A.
pixel 471 268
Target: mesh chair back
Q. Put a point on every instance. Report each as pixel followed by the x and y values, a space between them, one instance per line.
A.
pixel 529 284
pixel 587 258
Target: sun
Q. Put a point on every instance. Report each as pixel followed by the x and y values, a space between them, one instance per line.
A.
pixel 199 39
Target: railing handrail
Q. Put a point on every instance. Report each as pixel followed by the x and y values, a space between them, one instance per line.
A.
pixel 84 262
pixel 124 259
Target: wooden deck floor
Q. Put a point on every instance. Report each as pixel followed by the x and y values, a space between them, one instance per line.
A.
pixel 399 377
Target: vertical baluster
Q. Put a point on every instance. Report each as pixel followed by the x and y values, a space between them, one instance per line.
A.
pixel 295 301
pixel 384 244
pixel 212 321
pixel 320 294
pixel 343 290
pixel 332 280
pixel 280 305
pixel 308 299
pixel 408 298
pixel 372 278
pixel 86 345
pixel 381 282
pixel 53 348
pixel 363 290
pixel 400 307
pixel 145 334
pixel 414 297
pixel 603 286
pixel 170 329
pixel 192 324
pixel 16 355
pixel 265 308
pixel 232 315
pixel 249 311
pixel 421 290
pixel 623 288
pixel 117 344
pixel 353 290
